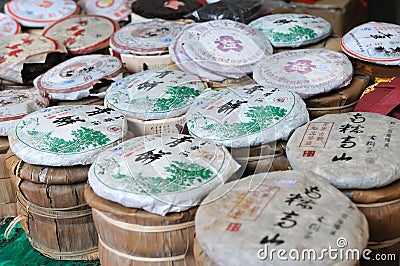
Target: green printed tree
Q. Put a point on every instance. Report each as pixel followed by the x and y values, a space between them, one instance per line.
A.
pixel 182 175
pixel 83 138
pixel 261 117
pixel 178 97
pixel 296 33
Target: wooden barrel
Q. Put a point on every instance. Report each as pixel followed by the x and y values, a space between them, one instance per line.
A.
pixel 56 218
pixel 7 192
pixel 260 159
pixel 129 236
pixel 381 206
pixel 338 101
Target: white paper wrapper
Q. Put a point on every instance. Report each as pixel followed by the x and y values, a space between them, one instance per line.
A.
pixel 187 65
pixel 31 13
pixel 307 72
pixel 15 104
pixel 292 30
pixel 246 116
pixel 8 26
pixel 161 173
pixel 66 135
pixel 154 94
pixel 82 34
pixel 350 150
pixel 19 49
pixel 73 79
pixel 374 42
pixel 145 37
pixel 221 48
pixel 117 10
pixel 291 210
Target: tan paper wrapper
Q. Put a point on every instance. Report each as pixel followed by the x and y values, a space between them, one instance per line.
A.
pixel 238 219
pixel 338 101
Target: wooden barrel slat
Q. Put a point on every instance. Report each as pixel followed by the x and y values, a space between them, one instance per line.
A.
pixel 136 243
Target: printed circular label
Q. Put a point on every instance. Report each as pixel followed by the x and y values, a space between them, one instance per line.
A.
pixel 246 116
pixel 15 49
pixel 350 150
pixel 161 173
pixel 186 64
pixel 78 74
pixel 66 135
pixel 82 34
pixel 8 26
pixel 292 30
pixel 145 37
pixel 15 104
pixel 290 211
pixel 374 42
pixel 31 13
pixel 114 9
pixel 226 42
pixel 154 94
pixel 307 72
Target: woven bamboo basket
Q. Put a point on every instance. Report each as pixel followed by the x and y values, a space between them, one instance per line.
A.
pixel 52 209
pixel 7 192
pixel 338 101
pixel 129 236
pixel 381 206
pixel 261 159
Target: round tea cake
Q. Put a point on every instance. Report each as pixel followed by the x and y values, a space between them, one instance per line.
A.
pixel 246 116
pixel 118 10
pixel 292 30
pixel 82 34
pixel 353 150
pixel 223 47
pixel 375 42
pixel 154 94
pixel 15 104
pixel 161 173
pixel 244 222
pixel 17 51
pixel 66 135
pixel 75 78
pixel 183 62
pixel 8 26
pixel 31 13
pixel 307 72
pixel 145 37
